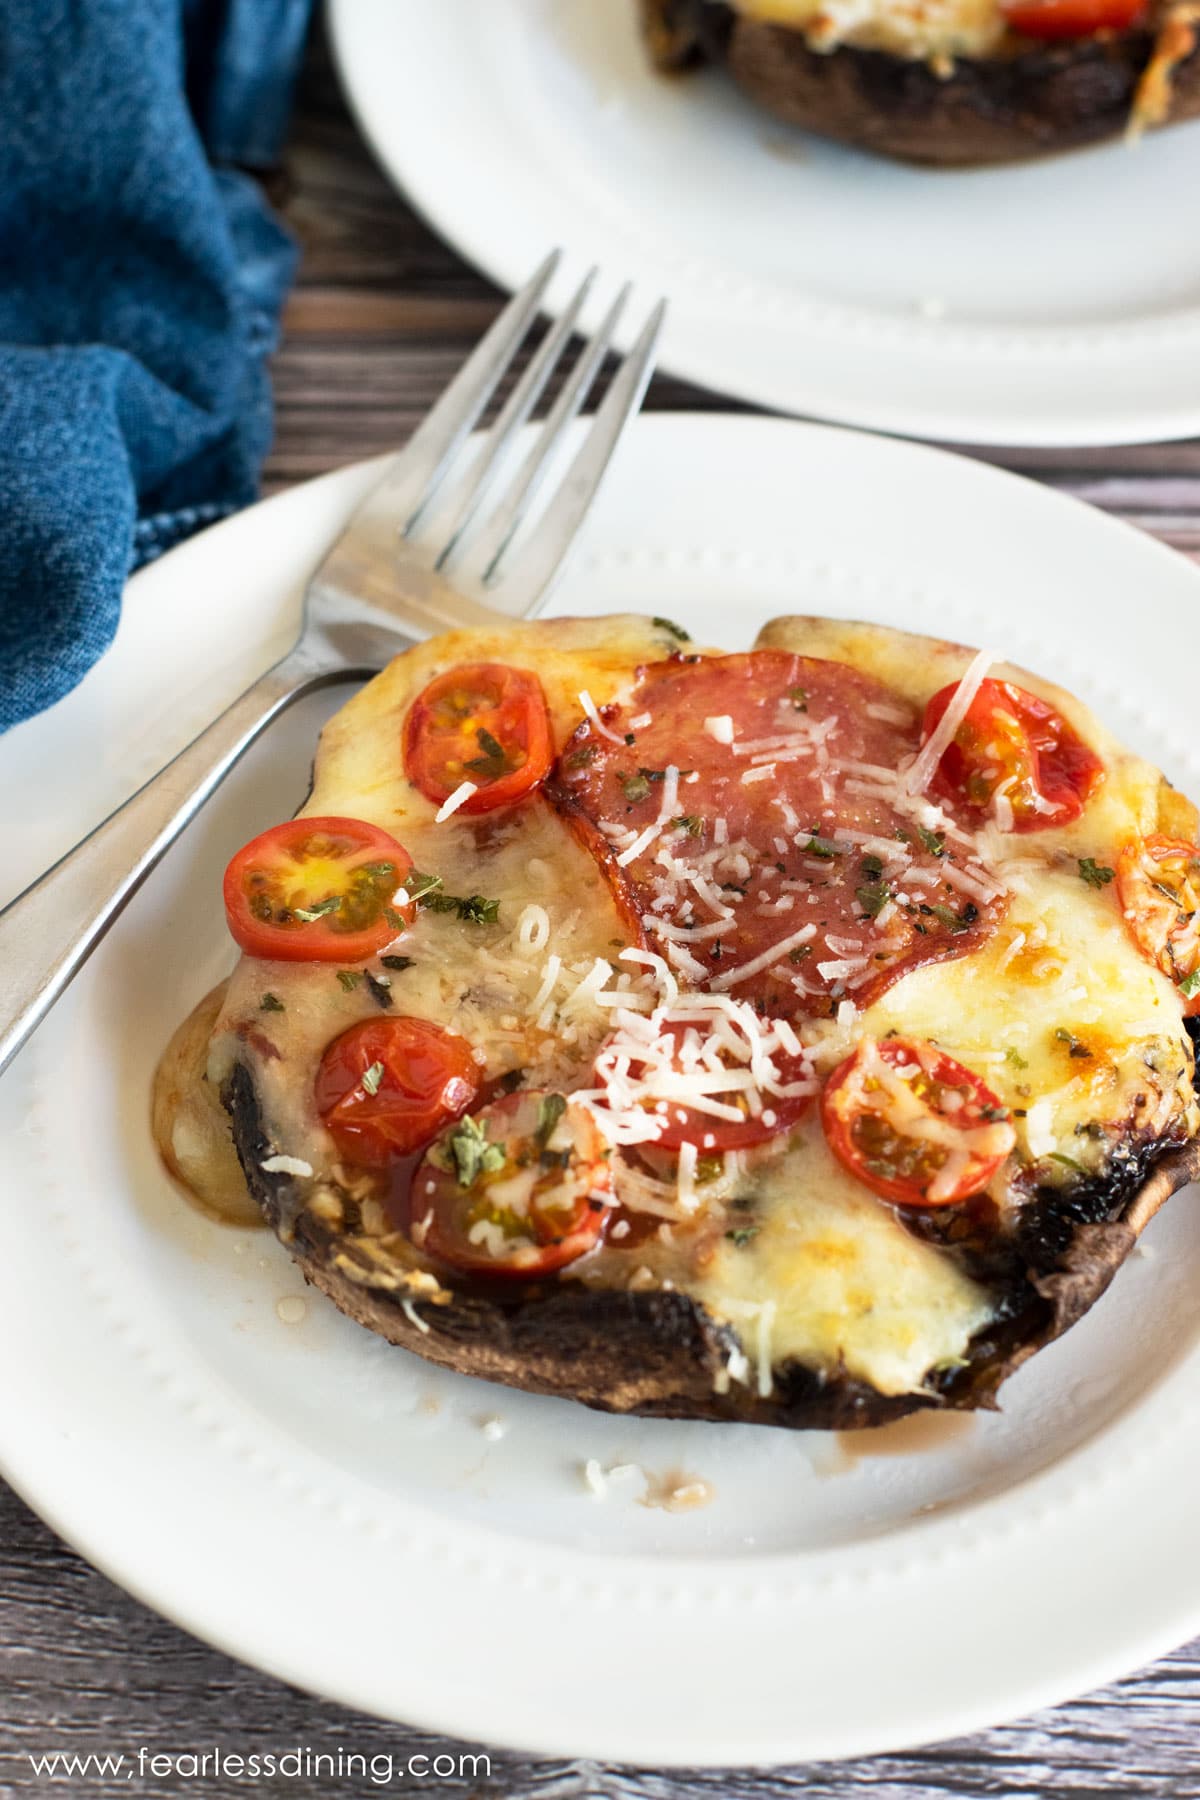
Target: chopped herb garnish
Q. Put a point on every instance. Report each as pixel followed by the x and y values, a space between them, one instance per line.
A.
pixel 472 1153
pixel 692 823
pixel 946 916
pixel 417 885
pixel 676 631
pixel 636 787
pixel 709 1167
pixel 478 911
pixel 872 866
pixel 993 1113
pixel 380 989
pixel 1076 1047
pixel 551 1108
pixel 472 907
pixel 819 846
pixel 380 868
pixel 372 1077
pixel 1015 1058
pixel 394 919
pixel 799 699
pixel 1096 874
pixel 933 841
pixel 1190 984
pixel 270 1003
pixel 494 761
pixel 349 978
pixel 799 953
pixel 396 962
pixel 873 898
pixel 742 1235
pixel 320 909
pixel 579 759
pixel 658 774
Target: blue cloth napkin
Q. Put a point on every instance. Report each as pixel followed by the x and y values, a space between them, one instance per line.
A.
pixel 140 289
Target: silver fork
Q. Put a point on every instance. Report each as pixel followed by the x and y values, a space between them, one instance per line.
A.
pixel 384 583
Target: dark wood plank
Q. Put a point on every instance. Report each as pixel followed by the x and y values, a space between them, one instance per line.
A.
pixel 383 315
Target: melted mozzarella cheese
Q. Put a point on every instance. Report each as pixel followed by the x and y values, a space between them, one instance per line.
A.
pixel 909 28
pixel 851 1288
pixel 1067 1023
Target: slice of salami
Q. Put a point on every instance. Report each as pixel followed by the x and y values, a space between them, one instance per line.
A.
pixel 749 811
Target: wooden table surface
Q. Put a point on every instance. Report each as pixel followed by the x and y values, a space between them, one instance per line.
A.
pixel 382 316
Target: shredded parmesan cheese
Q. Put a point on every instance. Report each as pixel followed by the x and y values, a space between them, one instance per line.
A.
pixel 533 927
pixel 286 1165
pixel 921 772
pixel 758 963
pixel 596 722
pixel 413 1316
pixel 459 797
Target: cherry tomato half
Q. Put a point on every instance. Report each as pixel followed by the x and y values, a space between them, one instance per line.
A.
pixel 519 1188
pixel 1054 19
pixel 1012 746
pixel 480 722
pixel 1158 885
pixel 317 890
pixel 913 1124
pixel 761 1114
pixel 387 1086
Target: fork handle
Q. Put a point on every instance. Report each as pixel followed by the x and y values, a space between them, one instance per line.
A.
pixel 48 932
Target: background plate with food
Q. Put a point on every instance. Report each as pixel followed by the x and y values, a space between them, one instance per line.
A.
pixel 1047 301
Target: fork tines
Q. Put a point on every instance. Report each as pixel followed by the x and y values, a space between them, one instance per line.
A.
pixel 489 501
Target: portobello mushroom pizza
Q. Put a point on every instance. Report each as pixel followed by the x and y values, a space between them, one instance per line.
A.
pixel 797 1036
pixel 946 81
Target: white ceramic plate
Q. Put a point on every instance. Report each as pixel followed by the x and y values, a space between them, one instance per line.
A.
pixel 1053 303
pixel 330 1508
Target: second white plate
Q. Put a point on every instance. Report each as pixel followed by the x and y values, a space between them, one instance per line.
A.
pixel 1055 303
